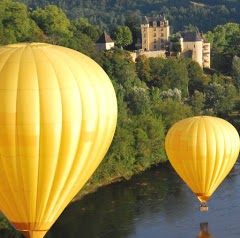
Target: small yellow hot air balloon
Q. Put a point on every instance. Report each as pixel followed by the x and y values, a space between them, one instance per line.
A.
pixel 202 150
pixel 58 113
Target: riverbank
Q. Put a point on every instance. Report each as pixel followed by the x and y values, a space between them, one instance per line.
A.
pixel 93 185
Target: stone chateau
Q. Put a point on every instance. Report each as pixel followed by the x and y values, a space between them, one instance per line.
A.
pixel 155 41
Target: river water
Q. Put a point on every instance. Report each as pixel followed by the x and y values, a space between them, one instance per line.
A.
pixel 154 204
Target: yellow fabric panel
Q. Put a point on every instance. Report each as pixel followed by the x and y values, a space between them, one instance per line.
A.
pixel 58 114
pixel 202 150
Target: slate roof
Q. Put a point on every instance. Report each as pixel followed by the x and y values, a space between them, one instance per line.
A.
pixel 104 38
pixel 150 20
pixel 191 36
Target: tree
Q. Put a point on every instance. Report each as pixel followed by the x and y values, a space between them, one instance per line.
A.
pixel 133 21
pixel 80 42
pixel 175 94
pixel 53 21
pixel 196 77
pixel 190 28
pixel 174 75
pixel 173 111
pixel 15 25
pixel 210 37
pixel 156 67
pixel 225 46
pixel 119 66
pixel 122 36
pixel 120 159
pixel 143 68
pixel 149 141
pixel 82 25
pixel 220 98
pixel 236 72
pixel 138 99
pixel 197 101
pixel 176 47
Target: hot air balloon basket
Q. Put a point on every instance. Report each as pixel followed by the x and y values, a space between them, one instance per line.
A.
pixel 203 208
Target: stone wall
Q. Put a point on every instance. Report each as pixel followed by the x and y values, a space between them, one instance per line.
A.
pixel 157 53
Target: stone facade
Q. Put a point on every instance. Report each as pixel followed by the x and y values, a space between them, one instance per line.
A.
pixel 155 33
pixel 155 53
pixel 155 36
pixel 194 45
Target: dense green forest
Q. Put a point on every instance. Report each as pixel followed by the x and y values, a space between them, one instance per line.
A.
pixel 109 13
pixel 152 93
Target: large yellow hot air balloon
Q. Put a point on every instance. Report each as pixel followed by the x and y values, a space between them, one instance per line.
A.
pixel 58 115
pixel 202 150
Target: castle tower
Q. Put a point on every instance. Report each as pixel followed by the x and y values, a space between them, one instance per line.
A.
pixel 155 33
pixel 195 46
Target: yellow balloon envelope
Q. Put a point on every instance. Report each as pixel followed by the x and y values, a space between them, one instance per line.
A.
pixel 202 150
pixel 58 115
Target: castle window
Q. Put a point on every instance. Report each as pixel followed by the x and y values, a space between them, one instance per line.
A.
pixel 144 35
pixel 162 40
pixel 161 29
pixel 154 34
pixel 154 28
pixel 155 46
pixel 162 35
pixel 155 40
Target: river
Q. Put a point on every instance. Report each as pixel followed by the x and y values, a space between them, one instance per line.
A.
pixel 154 204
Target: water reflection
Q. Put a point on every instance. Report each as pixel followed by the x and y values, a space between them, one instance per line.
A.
pixel 204 233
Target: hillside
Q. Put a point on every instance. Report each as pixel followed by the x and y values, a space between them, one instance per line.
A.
pixel 198 4
pixel 204 14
